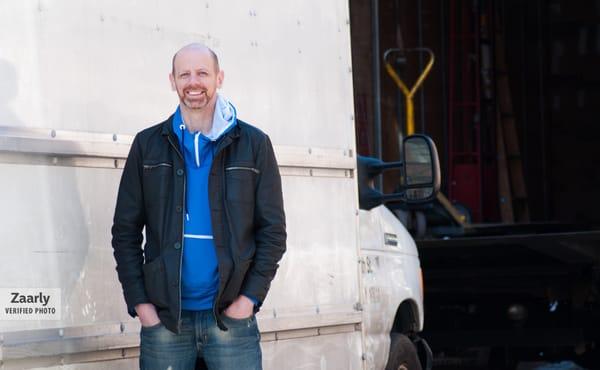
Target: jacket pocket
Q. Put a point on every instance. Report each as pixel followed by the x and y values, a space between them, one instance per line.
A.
pixel 243 168
pixel 151 166
pixel 234 285
pixel 241 178
pixel 155 282
pixel 157 177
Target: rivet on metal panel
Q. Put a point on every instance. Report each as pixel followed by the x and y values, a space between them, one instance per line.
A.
pixel 114 137
pixel 53 133
pixel 122 327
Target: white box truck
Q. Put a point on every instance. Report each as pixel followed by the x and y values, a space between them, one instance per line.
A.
pixel 79 79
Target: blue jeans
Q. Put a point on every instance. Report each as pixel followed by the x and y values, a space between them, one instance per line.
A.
pixel 235 349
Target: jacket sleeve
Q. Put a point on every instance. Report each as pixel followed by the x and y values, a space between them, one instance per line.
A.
pixel 128 224
pixel 269 225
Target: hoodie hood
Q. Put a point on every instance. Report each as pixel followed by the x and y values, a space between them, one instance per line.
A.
pixel 198 147
pixel 223 119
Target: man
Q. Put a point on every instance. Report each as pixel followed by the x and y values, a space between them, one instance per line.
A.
pixel 207 189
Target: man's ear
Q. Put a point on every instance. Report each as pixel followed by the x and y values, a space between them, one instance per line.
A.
pixel 172 79
pixel 220 78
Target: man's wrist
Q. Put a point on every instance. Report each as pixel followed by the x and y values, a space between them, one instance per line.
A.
pixel 143 307
pixel 251 298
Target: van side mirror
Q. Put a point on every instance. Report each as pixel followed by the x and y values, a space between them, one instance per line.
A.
pixel 421 169
pixel 420 174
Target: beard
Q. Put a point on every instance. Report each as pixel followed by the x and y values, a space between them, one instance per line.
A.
pixel 194 102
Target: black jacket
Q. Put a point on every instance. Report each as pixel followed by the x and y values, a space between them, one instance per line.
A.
pixel 246 206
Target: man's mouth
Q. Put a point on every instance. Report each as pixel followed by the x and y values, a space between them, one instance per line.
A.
pixel 195 93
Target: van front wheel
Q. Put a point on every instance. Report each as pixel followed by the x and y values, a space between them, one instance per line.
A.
pixel 403 354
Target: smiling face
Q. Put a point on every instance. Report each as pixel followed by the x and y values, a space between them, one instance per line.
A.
pixel 196 78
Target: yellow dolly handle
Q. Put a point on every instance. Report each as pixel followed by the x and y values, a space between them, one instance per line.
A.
pixel 409 93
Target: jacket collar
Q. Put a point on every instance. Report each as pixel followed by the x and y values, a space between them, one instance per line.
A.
pixel 226 139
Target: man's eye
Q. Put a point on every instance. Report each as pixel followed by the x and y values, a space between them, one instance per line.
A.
pixel 184 75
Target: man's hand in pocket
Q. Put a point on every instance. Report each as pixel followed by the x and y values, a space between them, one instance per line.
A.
pixel 147 314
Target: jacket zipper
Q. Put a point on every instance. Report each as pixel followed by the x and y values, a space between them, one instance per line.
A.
pixel 219 292
pixel 255 170
pixel 151 166
pixel 182 237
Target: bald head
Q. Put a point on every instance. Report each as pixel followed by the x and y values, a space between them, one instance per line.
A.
pixel 197 48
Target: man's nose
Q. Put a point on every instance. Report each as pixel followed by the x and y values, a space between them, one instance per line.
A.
pixel 194 79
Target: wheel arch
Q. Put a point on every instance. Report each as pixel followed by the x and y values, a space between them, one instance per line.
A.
pixel 406 320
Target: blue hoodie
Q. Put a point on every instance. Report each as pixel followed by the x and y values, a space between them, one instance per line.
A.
pixel 200 274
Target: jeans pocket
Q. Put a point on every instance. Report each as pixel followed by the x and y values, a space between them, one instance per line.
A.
pixel 246 328
pixel 152 327
pixel 245 322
